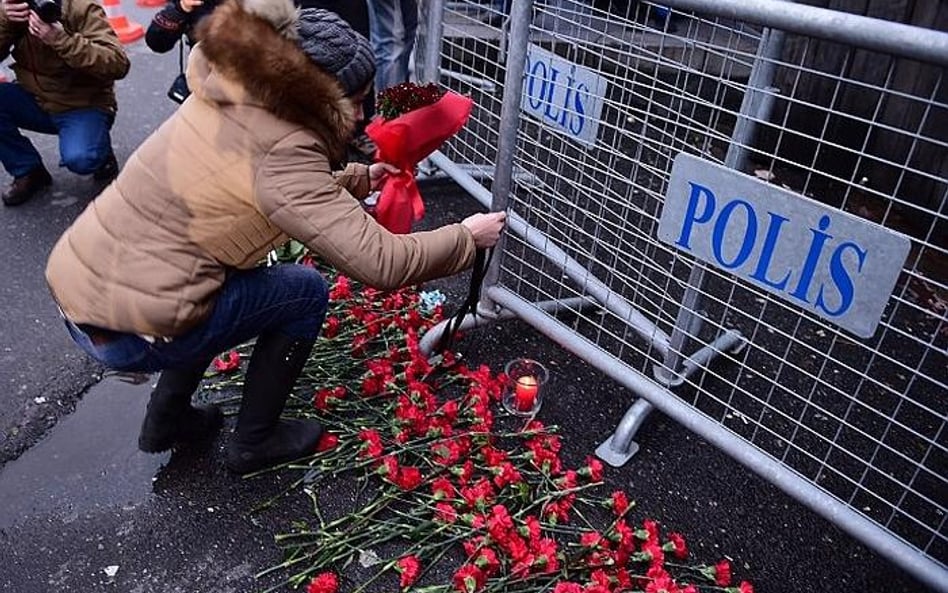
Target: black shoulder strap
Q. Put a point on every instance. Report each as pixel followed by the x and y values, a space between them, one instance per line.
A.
pixel 482 259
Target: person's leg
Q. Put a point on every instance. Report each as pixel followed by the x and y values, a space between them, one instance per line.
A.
pixel 409 28
pixel 384 21
pixel 262 438
pixel 287 299
pixel 170 419
pixel 19 110
pixel 284 307
pixel 85 144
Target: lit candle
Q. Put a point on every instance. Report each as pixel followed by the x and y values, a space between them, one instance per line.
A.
pixel 525 392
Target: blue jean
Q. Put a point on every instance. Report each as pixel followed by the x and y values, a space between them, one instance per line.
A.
pixel 84 141
pixel 288 299
pixel 393 24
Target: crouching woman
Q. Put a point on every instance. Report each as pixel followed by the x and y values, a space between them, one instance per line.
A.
pixel 160 272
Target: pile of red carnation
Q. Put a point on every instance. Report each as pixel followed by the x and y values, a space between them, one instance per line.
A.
pixel 455 495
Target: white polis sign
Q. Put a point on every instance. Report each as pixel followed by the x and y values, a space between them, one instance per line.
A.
pixel 563 95
pixel 834 264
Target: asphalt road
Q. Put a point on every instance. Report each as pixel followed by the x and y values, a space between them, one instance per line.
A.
pixel 38 362
pixel 84 511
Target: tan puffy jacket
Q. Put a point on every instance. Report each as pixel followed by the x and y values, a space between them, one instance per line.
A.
pixel 241 166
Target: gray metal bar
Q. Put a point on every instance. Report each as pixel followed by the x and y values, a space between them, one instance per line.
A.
pixel 434 31
pixel 866 32
pixel 619 448
pixel 471 321
pixel 520 18
pixel 922 567
pixel 754 107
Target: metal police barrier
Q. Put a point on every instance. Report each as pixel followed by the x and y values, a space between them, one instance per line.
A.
pixel 738 210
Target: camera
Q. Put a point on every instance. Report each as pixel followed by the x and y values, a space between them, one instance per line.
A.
pixel 179 90
pixel 47 10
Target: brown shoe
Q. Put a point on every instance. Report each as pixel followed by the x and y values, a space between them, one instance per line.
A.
pixel 25 187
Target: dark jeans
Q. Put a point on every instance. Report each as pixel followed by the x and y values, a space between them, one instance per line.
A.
pixel 393 25
pixel 288 299
pixel 84 141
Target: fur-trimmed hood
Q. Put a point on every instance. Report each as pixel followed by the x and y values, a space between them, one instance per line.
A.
pixel 253 43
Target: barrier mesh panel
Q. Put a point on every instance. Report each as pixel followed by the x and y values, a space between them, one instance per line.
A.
pixel 861 131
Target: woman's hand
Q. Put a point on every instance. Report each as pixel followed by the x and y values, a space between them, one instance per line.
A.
pixel 486 228
pixel 378 172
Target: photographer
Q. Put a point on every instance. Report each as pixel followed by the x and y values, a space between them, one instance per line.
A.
pixel 176 20
pixel 161 271
pixel 65 73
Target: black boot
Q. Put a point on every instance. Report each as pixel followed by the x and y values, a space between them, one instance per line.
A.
pixel 171 419
pixel 262 439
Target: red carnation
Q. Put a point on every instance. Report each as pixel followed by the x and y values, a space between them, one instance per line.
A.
pixel 442 488
pixel 620 503
pixel 487 561
pixel 593 469
pixel 445 512
pixel 323 583
pixel 372 443
pixel 409 567
pixel 654 552
pixel 649 531
pixel 359 346
pixel 545 551
pixel 662 584
pixel 331 327
pixel 341 290
pixel 327 441
pixel 469 578
pixel 568 588
pixel 722 573
pixel 227 362
pixel 389 467
pixel 676 544
pixel 507 474
pixel 408 478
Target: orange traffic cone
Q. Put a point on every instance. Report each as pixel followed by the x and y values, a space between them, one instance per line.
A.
pixel 127 31
pixel 150 3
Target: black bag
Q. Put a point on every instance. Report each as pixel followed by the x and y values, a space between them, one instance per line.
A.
pixel 179 90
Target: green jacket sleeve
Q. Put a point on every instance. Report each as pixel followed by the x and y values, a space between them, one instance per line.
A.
pixel 296 190
pixel 93 46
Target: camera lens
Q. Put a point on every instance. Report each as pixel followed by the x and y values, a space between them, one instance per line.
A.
pixel 47 10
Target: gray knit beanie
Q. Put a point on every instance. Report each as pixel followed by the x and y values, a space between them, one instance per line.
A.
pixel 334 46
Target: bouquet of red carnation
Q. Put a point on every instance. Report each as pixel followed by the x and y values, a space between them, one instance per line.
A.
pixel 412 122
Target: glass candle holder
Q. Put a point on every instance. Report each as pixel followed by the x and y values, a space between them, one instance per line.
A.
pixel 523 393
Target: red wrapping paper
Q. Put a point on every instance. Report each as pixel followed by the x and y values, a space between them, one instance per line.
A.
pixel 404 141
